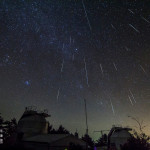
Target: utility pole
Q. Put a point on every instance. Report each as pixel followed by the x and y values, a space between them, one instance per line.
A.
pixel 86 123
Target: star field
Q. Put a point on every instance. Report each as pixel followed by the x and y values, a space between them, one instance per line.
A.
pixel 53 54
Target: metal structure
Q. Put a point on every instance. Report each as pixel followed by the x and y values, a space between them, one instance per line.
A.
pixel 86 117
pixel 86 122
pixel 101 131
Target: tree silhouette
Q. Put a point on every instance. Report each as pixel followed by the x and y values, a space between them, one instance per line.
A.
pixel 89 140
pixel 1 120
pixel 76 134
pixel 51 130
pixel 140 124
pixel 60 130
pixel 8 127
pixel 102 141
pixel 137 142
pixel 11 126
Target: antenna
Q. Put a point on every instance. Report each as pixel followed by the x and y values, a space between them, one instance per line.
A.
pixel 86 123
pixel 86 117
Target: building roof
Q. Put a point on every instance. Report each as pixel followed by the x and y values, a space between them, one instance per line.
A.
pixel 121 134
pixel 56 139
pixel 68 140
pixel 117 129
pixel 45 138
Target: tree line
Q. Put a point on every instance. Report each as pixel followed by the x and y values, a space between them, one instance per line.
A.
pixel 138 141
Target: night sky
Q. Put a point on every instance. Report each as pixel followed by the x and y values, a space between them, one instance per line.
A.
pixel 55 53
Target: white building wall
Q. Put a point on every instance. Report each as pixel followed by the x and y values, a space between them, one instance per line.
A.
pixel 120 138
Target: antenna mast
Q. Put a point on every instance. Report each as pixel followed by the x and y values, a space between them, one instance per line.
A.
pixel 86 117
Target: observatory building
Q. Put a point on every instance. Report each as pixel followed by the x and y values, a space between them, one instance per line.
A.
pixel 32 133
pixel 32 123
pixel 118 136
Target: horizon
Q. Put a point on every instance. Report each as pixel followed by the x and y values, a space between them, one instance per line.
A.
pixel 94 134
pixel 54 54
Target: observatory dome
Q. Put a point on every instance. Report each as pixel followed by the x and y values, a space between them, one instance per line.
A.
pixel 32 123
